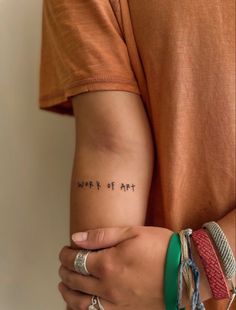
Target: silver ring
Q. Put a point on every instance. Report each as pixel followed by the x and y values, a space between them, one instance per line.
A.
pixel 80 262
pixel 95 302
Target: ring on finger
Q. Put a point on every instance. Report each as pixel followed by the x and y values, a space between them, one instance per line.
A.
pixel 95 303
pixel 80 262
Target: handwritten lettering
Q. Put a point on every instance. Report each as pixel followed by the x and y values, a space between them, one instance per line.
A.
pixel 111 185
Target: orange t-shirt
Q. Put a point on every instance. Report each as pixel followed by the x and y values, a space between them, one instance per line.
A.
pixel 179 56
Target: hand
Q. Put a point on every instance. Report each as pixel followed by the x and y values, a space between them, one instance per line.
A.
pixel 126 273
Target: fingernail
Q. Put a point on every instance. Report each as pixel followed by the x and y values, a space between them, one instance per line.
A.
pixel 78 237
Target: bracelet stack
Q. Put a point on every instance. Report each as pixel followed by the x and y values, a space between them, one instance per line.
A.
pixel 217 259
pixel 226 254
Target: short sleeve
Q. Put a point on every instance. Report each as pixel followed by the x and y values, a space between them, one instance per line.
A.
pixel 82 49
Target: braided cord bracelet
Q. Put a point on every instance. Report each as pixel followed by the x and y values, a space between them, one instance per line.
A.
pixel 223 247
pixel 196 302
pixel 187 274
pixel 193 272
pixel 211 264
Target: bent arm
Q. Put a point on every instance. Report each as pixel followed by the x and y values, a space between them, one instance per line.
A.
pixel 113 161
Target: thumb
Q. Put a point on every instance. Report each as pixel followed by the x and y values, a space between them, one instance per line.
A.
pixel 103 237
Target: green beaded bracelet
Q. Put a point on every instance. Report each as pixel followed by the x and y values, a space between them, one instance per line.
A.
pixel 172 263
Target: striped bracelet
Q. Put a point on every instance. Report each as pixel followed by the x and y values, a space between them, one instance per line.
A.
pixel 223 248
pixel 211 264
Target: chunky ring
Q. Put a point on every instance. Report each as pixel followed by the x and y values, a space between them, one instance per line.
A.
pixel 80 262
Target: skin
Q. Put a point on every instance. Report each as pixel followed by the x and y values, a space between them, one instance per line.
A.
pixel 114 143
pixel 123 279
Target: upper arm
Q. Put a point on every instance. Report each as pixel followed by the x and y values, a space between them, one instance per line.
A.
pixel 111 120
pixel 113 143
pixel 86 72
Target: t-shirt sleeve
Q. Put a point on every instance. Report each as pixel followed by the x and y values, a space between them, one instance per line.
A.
pixel 82 49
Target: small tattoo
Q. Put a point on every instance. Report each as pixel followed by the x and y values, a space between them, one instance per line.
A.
pixel 97 185
pixel 127 187
pixel 111 185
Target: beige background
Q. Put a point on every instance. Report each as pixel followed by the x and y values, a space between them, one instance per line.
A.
pixel 36 150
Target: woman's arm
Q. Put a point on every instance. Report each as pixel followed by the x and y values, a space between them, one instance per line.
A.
pixel 155 241
pixel 113 146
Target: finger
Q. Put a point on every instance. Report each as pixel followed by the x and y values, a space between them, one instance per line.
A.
pixel 67 257
pixel 74 300
pixel 104 237
pixel 78 282
pixel 77 300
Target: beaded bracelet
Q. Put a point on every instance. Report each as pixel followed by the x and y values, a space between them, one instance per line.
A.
pixel 211 264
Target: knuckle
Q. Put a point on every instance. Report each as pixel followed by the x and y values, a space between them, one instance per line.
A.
pixel 65 296
pixel 79 305
pixel 69 280
pixel 67 277
pixel 107 267
pixel 62 253
pixel 60 271
pixel 74 306
pixel 112 294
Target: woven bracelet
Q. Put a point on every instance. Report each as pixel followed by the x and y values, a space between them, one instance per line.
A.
pixel 211 264
pixel 193 274
pixel 223 248
pixel 187 274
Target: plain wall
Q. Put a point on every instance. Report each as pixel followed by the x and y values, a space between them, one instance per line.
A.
pixel 36 151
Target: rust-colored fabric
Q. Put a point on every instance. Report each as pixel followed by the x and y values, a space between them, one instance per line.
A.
pixel 180 57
